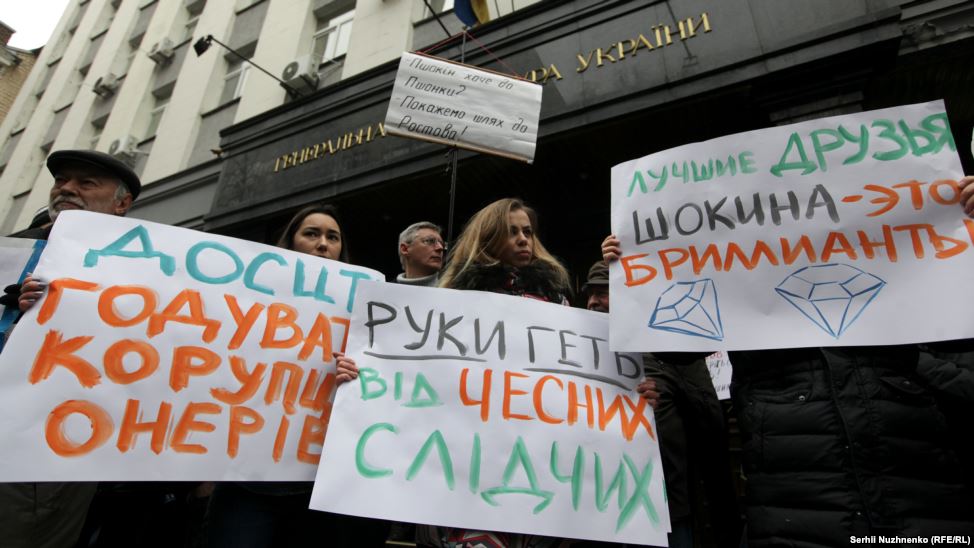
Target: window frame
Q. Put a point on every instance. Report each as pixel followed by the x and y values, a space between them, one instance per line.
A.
pixel 330 31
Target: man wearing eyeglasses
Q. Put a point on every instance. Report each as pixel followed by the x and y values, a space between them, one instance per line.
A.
pixel 421 252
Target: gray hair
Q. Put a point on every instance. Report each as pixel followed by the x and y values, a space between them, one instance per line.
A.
pixel 407 236
pixel 121 190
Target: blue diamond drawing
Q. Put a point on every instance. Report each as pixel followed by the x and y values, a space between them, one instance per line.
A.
pixel 833 295
pixel 689 308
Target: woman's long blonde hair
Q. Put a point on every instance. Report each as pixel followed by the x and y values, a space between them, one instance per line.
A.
pixel 485 235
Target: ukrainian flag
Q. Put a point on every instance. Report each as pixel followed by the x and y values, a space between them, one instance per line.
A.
pixel 471 12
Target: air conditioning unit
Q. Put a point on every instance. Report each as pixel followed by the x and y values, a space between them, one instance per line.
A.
pixel 124 148
pixel 162 51
pixel 302 74
pixel 106 85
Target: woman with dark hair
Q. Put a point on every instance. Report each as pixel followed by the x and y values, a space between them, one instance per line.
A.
pixel 316 230
pixel 264 514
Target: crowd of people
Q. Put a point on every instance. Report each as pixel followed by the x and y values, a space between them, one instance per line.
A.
pixel 838 442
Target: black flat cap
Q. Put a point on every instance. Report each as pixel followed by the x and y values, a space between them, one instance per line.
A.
pixel 598 275
pixel 101 160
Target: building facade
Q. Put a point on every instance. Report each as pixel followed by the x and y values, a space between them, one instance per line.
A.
pixel 121 76
pixel 15 66
pixel 224 148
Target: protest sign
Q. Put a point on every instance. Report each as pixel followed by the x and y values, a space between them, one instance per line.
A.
pixel 839 231
pixel 18 256
pixel 492 412
pixel 161 353
pixel 469 107
pixel 719 366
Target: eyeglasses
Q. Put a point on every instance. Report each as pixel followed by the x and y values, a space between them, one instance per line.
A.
pixel 432 241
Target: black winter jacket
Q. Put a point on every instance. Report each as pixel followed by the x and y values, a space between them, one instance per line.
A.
pixel 947 368
pixel 843 442
pixel 536 280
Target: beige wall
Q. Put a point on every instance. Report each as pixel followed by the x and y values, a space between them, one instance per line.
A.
pixel 13 78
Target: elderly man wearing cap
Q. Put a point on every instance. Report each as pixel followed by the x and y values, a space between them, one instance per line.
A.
pixel 52 514
pixel 85 180
pixel 693 439
pixel 88 180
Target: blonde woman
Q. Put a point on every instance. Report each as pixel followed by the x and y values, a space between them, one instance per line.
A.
pixel 499 251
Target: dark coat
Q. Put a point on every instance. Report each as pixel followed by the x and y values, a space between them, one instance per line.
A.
pixel 39 233
pixel 536 280
pixel 694 448
pixel 843 442
pixel 947 369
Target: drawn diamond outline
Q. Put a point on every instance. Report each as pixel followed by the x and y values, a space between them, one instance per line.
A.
pixel 683 308
pixel 813 288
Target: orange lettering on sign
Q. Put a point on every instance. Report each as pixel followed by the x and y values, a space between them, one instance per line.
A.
pixel 133 425
pixel 115 368
pixel 108 312
pixel 54 291
pixel 484 401
pixel 313 433
pixel 191 361
pixel 188 423
pixel 243 321
pixel 539 405
pixel 294 374
pixel 508 393
pixel 281 437
pixel 55 351
pixel 280 315
pixel 629 268
pixel 57 440
pixel 196 316
pixel 249 382
pixel 318 337
pixel 243 420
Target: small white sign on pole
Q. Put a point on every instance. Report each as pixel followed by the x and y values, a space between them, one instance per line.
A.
pixel 719 366
pixel 164 354
pixel 469 107
pixel 491 412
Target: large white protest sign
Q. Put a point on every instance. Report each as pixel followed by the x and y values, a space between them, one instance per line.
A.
pixel 18 256
pixel 492 412
pixel 839 231
pixel 161 353
pixel 454 104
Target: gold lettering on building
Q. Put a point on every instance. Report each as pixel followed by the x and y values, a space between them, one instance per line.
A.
pixel 542 74
pixel 330 147
pixel 661 33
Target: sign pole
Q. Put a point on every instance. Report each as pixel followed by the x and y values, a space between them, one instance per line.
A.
pixel 454 154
